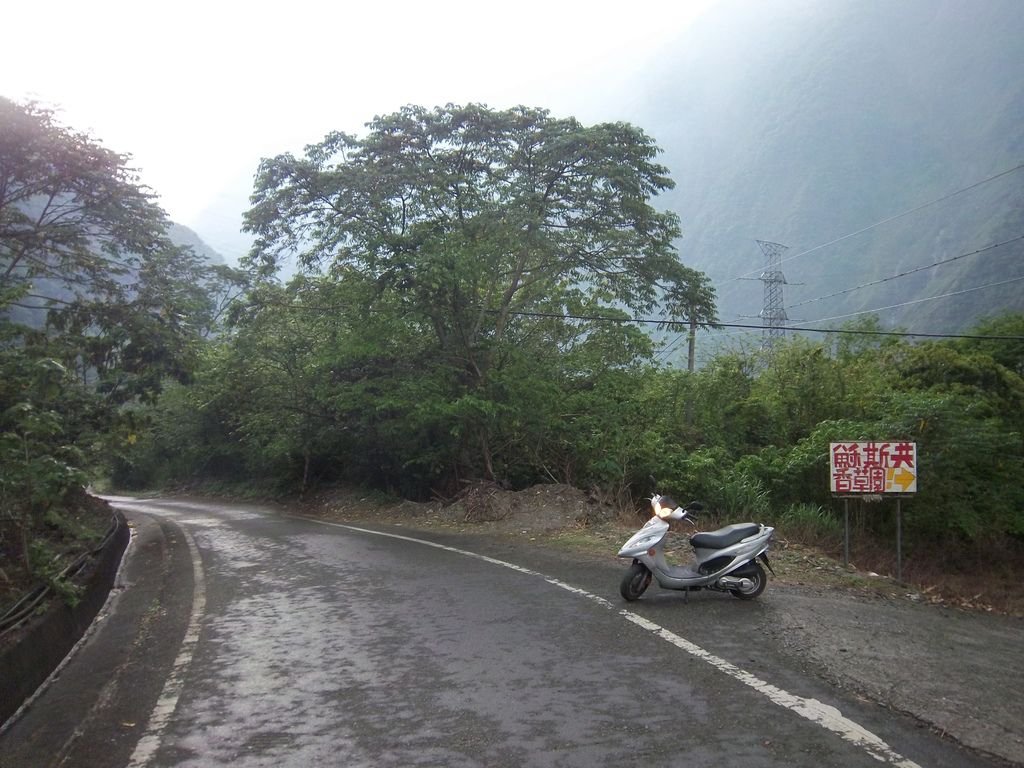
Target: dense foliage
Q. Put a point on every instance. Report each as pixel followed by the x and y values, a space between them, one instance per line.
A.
pixel 308 392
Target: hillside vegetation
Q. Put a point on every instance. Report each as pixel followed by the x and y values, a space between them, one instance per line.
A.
pixel 452 326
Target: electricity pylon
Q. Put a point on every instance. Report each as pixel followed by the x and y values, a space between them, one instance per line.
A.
pixel 773 314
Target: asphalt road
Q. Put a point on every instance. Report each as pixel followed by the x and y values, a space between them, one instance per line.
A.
pixel 239 637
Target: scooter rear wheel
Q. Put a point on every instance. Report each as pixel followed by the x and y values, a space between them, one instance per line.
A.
pixel 758 577
pixel 635 582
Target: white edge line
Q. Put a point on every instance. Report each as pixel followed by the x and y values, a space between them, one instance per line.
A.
pixel 825 715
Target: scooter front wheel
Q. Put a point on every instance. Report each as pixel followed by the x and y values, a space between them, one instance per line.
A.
pixel 635 582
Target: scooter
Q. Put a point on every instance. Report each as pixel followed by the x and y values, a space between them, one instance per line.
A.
pixel 726 559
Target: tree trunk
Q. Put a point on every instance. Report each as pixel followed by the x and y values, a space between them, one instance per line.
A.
pixel 26 558
pixel 691 364
pixel 305 471
pixel 485 451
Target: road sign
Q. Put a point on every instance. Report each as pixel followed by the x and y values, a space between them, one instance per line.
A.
pixel 872 468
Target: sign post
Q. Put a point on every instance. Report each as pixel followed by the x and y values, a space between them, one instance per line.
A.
pixel 846 532
pixel 873 470
pixel 899 542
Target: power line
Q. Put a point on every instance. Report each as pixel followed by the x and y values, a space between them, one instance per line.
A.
pixel 730 283
pixel 861 332
pixel 653 321
pixel 670 323
pixel 918 301
pixel 921 207
pixel 908 272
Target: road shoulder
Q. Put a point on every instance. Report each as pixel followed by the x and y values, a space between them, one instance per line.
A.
pixel 93 712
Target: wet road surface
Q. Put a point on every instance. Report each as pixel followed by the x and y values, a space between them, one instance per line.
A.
pixel 285 642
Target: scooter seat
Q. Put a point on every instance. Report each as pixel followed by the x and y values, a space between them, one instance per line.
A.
pixel 724 537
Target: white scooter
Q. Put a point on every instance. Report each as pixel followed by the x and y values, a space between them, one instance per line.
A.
pixel 726 559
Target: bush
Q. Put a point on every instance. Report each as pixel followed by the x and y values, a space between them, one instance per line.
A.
pixel 810 524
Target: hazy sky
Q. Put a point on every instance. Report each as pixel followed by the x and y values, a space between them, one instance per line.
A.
pixel 198 92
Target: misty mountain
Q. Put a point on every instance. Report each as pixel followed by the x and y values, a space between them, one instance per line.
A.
pixel 179 234
pixel 32 310
pixel 804 122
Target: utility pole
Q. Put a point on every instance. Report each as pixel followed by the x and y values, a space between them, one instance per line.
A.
pixel 691 358
pixel 773 314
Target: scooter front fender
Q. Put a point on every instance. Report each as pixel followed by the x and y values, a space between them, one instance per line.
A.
pixel 647 538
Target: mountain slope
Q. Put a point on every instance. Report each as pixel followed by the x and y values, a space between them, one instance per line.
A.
pixel 804 122
pixel 182 235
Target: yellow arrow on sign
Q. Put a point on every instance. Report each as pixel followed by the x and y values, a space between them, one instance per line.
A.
pixel 903 477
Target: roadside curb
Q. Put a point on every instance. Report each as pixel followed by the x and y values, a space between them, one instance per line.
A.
pixel 26 665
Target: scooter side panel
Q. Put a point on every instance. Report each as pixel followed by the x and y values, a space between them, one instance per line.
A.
pixel 749 548
pixel 685 577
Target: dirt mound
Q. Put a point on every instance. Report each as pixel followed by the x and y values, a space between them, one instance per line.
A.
pixel 538 508
pixel 545 507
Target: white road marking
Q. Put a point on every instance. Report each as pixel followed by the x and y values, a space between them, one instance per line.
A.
pixel 168 701
pixel 817 712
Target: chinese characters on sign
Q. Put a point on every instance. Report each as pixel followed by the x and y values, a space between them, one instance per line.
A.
pixel 873 468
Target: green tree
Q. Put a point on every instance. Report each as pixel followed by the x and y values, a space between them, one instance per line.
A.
pixel 1008 350
pixel 84 253
pixel 480 226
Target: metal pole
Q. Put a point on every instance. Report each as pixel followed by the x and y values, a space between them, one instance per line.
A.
pixel 691 351
pixel 846 532
pixel 899 541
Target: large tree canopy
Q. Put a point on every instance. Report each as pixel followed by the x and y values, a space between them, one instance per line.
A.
pixel 518 242
pixel 472 215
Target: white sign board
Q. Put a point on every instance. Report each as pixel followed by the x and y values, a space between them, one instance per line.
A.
pixel 873 468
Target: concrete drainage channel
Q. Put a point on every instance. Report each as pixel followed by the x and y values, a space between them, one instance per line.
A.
pixel 48 639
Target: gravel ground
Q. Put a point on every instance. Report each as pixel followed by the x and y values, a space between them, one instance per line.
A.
pixel 960 672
